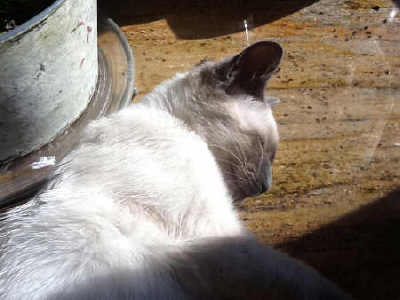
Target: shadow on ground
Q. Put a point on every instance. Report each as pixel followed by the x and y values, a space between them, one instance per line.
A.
pixel 360 251
pixel 202 19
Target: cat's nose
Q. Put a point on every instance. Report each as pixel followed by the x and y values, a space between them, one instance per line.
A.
pixel 267 179
pixel 264 187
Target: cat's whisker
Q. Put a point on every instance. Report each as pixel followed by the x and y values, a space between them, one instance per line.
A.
pixel 237 158
pixel 228 163
pixel 239 148
pixel 261 160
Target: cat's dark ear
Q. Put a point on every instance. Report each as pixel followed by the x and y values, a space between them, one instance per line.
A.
pixel 248 72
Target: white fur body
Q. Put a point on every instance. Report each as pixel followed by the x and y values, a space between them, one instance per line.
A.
pixel 113 209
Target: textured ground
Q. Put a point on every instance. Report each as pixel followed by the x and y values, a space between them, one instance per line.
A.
pixel 335 202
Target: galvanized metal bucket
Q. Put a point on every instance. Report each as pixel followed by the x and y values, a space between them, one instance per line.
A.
pixel 58 71
pixel 48 74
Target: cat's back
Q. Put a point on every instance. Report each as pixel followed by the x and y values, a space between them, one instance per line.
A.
pixel 139 179
pixel 143 148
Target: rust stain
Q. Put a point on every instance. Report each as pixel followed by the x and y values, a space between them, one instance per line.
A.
pixel 89 30
pixel 77 26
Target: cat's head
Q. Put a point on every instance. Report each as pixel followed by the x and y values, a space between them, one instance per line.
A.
pixel 224 103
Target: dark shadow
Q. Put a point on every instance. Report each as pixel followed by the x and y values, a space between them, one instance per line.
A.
pixel 229 268
pixel 199 19
pixel 361 251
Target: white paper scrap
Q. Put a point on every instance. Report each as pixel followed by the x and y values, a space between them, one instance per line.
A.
pixel 44 161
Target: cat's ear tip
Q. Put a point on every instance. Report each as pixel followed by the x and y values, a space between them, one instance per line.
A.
pixel 265 50
pixel 268 44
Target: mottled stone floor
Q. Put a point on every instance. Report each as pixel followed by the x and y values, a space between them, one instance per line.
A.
pixel 336 199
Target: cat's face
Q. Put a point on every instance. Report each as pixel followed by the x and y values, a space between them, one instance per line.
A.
pixel 246 154
pixel 224 103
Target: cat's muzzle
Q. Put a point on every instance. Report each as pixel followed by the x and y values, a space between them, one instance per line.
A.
pixel 266 181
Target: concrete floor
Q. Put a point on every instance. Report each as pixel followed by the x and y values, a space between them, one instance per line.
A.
pixel 336 199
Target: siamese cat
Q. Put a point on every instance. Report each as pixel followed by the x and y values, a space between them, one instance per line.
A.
pixel 144 207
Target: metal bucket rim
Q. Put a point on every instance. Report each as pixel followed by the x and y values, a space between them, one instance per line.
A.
pixel 31 23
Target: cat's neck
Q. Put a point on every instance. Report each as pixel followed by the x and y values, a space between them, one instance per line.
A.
pixel 203 206
pixel 170 94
